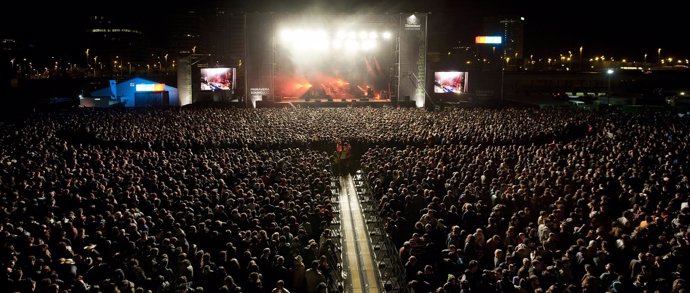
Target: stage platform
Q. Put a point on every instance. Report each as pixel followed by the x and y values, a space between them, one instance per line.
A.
pixel 330 103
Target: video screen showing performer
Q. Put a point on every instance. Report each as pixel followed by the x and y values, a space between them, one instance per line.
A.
pixel 450 82
pixel 217 79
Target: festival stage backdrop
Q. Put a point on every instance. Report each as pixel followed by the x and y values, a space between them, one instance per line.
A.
pixel 335 56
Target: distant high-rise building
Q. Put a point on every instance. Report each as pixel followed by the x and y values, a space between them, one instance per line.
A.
pixel 8 46
pixel 513 38
pixel 112 39
pixel 185 34
pixel 222 36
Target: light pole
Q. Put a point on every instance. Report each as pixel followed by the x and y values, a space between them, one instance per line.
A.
pixel 95 59
pixel 645 59
pixel 658 53
pixel 581 47
pixel 166 63
pixel 87 57
pixel 502 76
pixel 609 72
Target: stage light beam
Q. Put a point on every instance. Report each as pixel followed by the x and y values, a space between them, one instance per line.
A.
pixel 387 35
pixel 368 45
pixel 285 34
pixel 352 46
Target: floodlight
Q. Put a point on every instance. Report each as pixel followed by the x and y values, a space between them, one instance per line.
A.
pixel 321 34
pixel 387 35
pixel 352 46
pixel 285 34
pixel 368 45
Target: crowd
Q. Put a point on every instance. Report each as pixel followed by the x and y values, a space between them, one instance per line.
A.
pixel 303 127
pixel 102 218
pixel 238 200
pixel 604 213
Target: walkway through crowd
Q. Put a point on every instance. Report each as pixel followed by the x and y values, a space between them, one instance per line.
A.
pixel 358 258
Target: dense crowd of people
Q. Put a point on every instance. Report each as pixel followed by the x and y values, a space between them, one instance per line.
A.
pixel 102 218
pixel 239 200
pixel 604 213
pixel 298 127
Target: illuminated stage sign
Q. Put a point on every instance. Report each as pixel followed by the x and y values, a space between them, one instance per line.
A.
pixel 488 40
pixel 412 23
pixel 151 87
pixel 259 91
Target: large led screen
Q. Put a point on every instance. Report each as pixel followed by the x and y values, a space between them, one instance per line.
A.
pixel 217 79
pixel 450 82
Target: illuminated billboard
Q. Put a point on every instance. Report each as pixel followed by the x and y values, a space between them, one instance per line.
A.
pixel 217 79
pixel 488 40
pixel 450 82
pixel 149 87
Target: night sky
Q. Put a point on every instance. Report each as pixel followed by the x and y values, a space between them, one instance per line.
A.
pixel 620 29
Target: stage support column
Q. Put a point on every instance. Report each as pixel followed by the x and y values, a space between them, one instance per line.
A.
pixel 412 57
pixel 184 81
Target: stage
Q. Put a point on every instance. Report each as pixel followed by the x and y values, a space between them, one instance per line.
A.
pixel 305 59
pixel 336 59
pixel 331 103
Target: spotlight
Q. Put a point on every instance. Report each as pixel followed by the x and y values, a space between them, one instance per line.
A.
pixel 351 35
pixel 368 45
pixel 285 34
pixel 362 35
pixel 387 35
pixel 373 35
pixel 321 34
pixel 352 46
pixel 322 45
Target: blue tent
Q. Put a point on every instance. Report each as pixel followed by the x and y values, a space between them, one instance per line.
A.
pixel 139 92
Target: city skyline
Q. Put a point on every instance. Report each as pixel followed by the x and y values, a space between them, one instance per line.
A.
pixel 612 29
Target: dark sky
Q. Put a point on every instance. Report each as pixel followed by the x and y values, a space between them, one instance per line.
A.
pixel 621 29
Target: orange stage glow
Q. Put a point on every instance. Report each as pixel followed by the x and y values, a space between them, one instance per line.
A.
pixel 299 87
